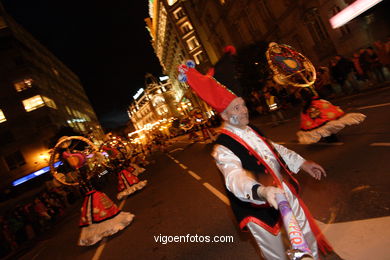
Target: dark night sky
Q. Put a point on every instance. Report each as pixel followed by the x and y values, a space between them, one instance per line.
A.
pixel 104 42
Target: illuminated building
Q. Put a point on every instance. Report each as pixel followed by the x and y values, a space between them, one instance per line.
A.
pixel 38 96
pixel 175 40
pixel 304 25
pixel 153 104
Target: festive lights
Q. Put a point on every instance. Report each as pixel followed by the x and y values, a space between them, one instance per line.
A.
pixel 350 12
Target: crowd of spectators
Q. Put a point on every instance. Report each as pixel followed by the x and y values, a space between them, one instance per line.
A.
pixel 29 220
pixel 367 67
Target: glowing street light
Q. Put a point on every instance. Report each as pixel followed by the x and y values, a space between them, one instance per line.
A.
pixel 350 12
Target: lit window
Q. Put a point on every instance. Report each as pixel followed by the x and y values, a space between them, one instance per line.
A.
pixel 198 57
pixel 2 117
pixel 55 71
pixel 178 13
pixel 49 102
pixel 192 43
pixel 171 2
pixel 23 84
pixel 33 103
pixel 186 27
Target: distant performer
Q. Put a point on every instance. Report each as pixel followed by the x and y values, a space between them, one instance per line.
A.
pixel 320 120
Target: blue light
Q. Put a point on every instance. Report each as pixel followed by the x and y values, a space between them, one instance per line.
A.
pixel 34 174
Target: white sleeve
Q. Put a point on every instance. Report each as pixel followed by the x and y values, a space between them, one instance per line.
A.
pixel 292 159
pixel 237 180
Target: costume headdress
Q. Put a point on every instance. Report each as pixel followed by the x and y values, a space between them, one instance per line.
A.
pixel 212 87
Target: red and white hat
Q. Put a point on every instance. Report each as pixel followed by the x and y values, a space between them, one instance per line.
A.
pixel 207 88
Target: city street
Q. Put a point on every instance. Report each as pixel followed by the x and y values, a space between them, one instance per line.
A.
pixel 185 196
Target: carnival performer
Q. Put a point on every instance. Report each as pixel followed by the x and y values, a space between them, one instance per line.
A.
pixel 128 183
pixel 135 169
pixel 321 120
pixel 100 217
pixel 255 169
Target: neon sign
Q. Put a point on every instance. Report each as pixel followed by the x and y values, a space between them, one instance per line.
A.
pixel 350 12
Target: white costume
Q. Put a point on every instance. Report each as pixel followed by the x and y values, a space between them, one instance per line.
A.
pixel 240 183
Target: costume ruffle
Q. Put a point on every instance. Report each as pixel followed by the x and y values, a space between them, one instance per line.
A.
pixel 93 233
pixel 329 128
pixel 137 170
pixel 131 189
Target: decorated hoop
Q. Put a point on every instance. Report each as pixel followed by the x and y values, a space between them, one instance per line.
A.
pixel 289 66
pixel 115 144
pixel 88 158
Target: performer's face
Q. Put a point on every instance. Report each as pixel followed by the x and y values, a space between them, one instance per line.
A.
pixel 236 113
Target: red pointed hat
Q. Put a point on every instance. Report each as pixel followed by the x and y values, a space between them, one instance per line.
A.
pixel 207 88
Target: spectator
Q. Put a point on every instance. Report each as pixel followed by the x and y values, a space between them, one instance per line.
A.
pixel 342 71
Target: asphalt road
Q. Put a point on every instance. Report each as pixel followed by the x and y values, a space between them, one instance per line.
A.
pixel 185 196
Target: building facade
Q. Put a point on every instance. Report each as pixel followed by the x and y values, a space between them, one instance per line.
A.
pixel 199 29
pixel 302 24
pixel 39 95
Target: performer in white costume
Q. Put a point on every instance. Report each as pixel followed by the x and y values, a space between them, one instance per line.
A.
pixel 255 169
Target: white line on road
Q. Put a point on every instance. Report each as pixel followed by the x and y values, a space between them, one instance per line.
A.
pixel 177 149
pixel 379 105
pixel 359 239
pixel 99 250
pixel 217 193
pixel 103 244
pixel 380 144
pixel 183 166
pixel 193 174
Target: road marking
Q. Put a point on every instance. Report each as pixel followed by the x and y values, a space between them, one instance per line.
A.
pixel 208 186
pixel 183 166
pixel 193 174
pixel 380 144
pixel 100 249
pixel 359 239
pixel 379 105
pixel 217 193
pixel 177 149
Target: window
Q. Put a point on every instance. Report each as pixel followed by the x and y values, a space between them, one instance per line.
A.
pixel 23 84
pixel 2 117
pixel 178 13
pixel 315 26
pixel 33 103
pixel 186 27
pixel 49 102
pixel 198 57
pixel 192 43
pixel 15 160
pixel 171 2
pixel 343 30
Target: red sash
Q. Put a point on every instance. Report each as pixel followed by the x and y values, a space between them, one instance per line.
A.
pixel 323 244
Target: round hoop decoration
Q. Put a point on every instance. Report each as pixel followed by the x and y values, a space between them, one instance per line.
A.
pixel 289 66
pixel 76 160
pixel 113 145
